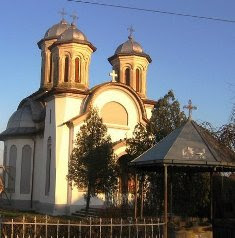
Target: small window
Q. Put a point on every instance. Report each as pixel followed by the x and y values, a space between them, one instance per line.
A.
pixel 50 116
pixel 127 77
pixel 138 80
pixel 48 168
pixel 77 71
pixel 66 69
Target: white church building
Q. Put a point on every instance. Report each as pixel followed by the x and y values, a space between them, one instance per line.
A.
pixel 39 136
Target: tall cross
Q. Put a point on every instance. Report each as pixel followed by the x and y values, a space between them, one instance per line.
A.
pixel 113 75
pixel 190 108
pixel 74 17
pixel 62 13
pixel 131 30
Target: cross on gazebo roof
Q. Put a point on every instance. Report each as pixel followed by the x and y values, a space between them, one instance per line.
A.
pixel 74 17
pixel 63 13
pixel 113 75
pixel 190 108
pixel 131 30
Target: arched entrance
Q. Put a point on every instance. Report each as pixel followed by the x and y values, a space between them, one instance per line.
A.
pixel 126 184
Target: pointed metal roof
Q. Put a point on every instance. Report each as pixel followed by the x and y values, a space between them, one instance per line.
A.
pixel 188 145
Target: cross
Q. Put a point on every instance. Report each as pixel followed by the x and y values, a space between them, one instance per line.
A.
pixel 74 17
pixel 190 108
pixel 62 13
pixel 113 75
pixel 131 30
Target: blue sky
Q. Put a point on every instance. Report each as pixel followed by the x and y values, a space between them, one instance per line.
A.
pixel 195 58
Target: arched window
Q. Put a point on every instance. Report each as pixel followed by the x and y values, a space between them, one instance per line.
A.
pixel 77 71
pixel 55 69
pixel 25 170
pixel 12 169
pixel 48 167
pixel 138 80
pixel 114 113
pixel 127 77
pixel 66 69
pixel 50 74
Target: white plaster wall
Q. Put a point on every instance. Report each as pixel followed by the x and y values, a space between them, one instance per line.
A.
pixel 49 131
pixel 65 109
pixel 19 143
pixel 38 169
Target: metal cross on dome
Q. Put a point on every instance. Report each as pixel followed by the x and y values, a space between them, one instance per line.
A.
pixel 113 75
pixel 63 13
pixel 131 30
pixel 74 17
pixel 190 108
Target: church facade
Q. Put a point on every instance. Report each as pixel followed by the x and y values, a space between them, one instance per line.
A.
pixel 39 136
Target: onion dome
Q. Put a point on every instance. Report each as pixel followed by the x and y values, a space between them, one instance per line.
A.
pixel 130 46
pixel 56 30
pixel 25 120
pixel 21 118
pixel 72 33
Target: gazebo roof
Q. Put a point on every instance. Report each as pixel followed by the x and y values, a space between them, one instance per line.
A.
pixel 188 146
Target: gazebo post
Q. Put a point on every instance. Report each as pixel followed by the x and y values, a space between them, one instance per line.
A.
pixel 211 198
pixel 165 201
pixel 136 182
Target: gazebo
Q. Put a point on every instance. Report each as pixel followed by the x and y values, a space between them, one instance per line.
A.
pixel 188 148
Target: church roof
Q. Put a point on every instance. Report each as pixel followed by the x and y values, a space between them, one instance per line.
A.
pixel 25 119
pixel 56 30
pixel 188 146
pixel 72 33
pixel 128 48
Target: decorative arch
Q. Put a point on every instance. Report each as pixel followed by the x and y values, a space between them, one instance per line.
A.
pixel 114 113
pixel 88 102
pixel 25 169
pixel 48 168
pixel 12 169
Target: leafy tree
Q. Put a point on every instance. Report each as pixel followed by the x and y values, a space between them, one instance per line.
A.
pixel 92 166
pixel 166 116
pixel 141 141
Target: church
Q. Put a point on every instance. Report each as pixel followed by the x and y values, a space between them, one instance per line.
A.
pixel 39 136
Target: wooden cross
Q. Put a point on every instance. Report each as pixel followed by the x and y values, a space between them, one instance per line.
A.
pixel 131 30
pixel 74 17
pixel 190 108
pixel 113 75
pixel 62 13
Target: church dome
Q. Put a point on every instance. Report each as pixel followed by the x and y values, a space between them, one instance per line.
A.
pixel 56 30
pixel 21 118
pixel 72 33
pixel 130 46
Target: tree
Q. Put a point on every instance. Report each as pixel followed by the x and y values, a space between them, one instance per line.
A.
pixel 141 141
pixel 92 166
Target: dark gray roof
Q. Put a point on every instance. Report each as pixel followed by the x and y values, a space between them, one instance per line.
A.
pixel 189 145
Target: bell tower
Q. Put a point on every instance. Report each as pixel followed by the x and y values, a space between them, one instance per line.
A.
pixel 66 56
pixel 131 63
